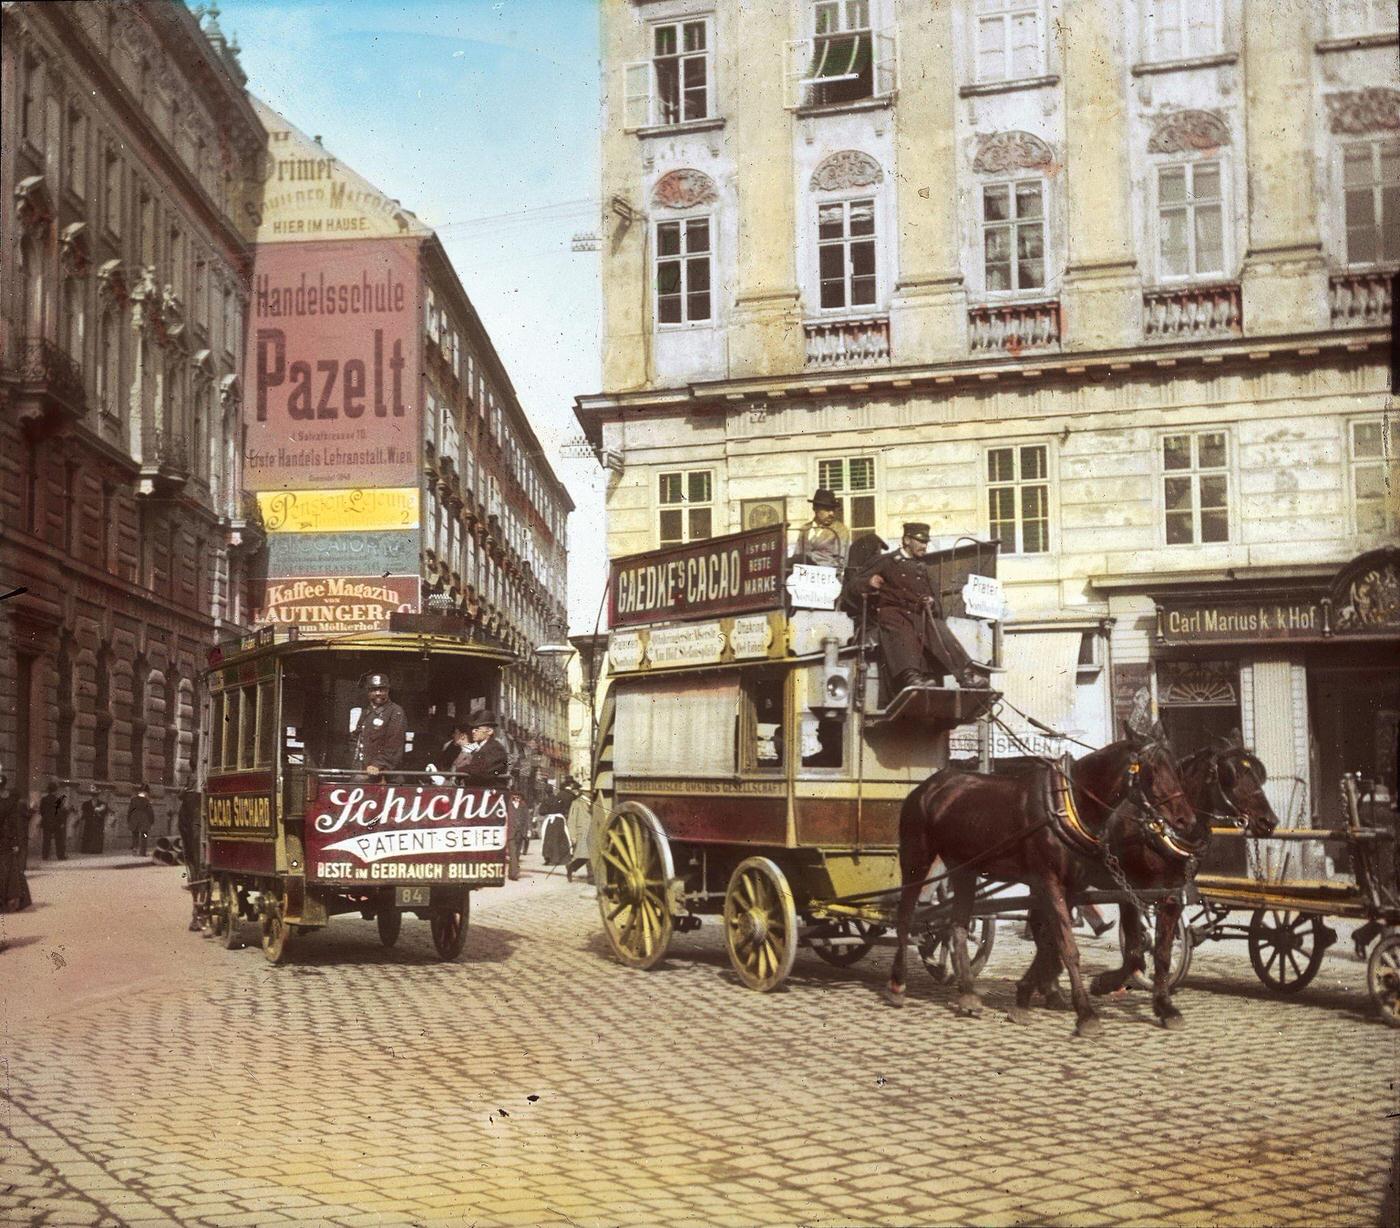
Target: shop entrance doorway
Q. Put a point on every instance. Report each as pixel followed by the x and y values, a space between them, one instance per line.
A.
pixel 1355 709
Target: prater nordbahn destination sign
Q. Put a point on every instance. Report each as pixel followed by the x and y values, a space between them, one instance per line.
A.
pixel 722 575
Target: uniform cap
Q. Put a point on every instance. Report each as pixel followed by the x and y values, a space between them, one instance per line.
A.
pixel 919 532
pixel 374 681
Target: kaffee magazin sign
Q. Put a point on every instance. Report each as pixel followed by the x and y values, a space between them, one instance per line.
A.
pixel 337 604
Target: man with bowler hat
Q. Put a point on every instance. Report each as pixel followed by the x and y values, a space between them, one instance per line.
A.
pixel 485 761
pixel 53 822
pixel 377 742
pixel 917 645
pixel 823 541
pixel 140 818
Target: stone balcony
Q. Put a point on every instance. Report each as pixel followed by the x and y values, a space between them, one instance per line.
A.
pixel 47 384
pixel 1010 328
pixel 1187 313
pixel 165 466
pixel 1361 299
pixel 834 344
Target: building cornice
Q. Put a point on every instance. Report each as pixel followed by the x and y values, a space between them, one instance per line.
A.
pixel 951 377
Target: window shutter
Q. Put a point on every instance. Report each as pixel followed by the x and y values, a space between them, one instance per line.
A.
pixel 636 95
pixel 886 64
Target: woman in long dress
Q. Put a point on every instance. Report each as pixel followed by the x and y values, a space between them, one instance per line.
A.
pixel 14 849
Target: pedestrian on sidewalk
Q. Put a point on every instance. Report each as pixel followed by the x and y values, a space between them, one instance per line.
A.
pixel 53 822
pixel 92 830
pixel 140 818
pixel 14 847
pixel 188 822
pixel 580 831
pixel 555 846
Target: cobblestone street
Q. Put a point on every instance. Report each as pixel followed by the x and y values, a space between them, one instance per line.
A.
pixel 153 1077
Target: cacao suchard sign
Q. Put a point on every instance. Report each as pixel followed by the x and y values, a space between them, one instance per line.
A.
pixel 332 365
pixel 370 833
pixel 723 575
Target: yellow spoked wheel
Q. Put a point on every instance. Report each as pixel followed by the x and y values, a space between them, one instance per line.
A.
pixel 1383 977
pixel 275 931
pixel 760 924
pixel 633 864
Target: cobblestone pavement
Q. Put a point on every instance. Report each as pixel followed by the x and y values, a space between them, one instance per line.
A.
pixel 153 1077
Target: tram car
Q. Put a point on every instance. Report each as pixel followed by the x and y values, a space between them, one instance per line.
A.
pixel 750 763
pixel 295 834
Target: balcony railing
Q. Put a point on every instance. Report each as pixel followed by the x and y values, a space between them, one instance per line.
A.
pixel 1009 328
pixel 1361 299
pixel 49 382
pixel 1187 312
pixel 832 344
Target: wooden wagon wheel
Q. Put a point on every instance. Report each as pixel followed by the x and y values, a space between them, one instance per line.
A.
pixel 390 922
pixel 1182 951
pixel 276 933
pixel 856 939
pixel 760 924
pixel 1383 977
pixel 1286 947
pixel 936 947
pixel 633 864
pixel 232 928
pixel 449 928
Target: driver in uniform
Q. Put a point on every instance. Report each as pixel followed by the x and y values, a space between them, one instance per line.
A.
pixel 377 743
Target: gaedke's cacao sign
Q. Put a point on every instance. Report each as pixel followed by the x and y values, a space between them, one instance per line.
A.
pixel 332 362
pixel 367 833
pixel 723 575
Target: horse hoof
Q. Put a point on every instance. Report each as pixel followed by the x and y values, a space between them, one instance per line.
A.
pixel 969 1005
pixel 895 997
pixel 1018 1014
pixel 1090 1025
pixel 1173 1022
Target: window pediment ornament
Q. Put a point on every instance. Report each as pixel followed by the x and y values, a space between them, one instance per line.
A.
pixel 74 249
pixel 32 205
pixel 1010 151
pixel 684 189
pixel 1188 132
pixel 1354 112
pixel 230 392
pixel 111 281
pixel 847 169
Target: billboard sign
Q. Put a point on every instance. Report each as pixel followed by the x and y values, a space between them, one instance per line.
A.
pixel 348 553
pixel 335 605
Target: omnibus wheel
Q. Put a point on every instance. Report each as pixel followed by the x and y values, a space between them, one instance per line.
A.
pixel 1383 977
pixel 276 933
pixel 231 929
pixel 449 928
pixel 853 941
pixel 1286 947
pixel 936 947
pixel 1182 951
pixel 760 924
pixel 633 864
pixel 215 919
pixel 390 922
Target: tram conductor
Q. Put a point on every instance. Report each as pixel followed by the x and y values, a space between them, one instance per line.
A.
pixel 914 638
pixel 379 736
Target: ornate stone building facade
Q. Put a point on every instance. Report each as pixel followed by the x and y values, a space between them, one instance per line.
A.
pixel 128 148
pixel 1107 281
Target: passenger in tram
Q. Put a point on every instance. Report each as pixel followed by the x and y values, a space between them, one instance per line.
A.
pixel 823 541
pixel 916 644
pixel 378 739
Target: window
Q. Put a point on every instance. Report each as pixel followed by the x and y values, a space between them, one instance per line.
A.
pixel 1363 16
pixel 109 357
pixel 1018 498
pixel 1371 190
pixel 846 253
pixel 842 67
pixel 685 499
pixel 681 64
pixel 76 147
pixel 112 191
pixel 852 480
pixel 1369 489
pixel 28 107
pixel 1190 220
pixel 683 271
pixel 1195 488
pixel 1008 39
pixel 148 230
pixel 1182 29
pixel 1013 235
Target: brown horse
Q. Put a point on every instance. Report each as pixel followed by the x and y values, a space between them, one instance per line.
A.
pixel 1224 783
pixel 1001 826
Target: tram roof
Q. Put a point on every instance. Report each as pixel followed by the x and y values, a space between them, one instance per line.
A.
pixel 290 641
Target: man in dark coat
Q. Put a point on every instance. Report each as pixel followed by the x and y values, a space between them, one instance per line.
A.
pixel 914 640
pixel 140 818
pixel 377 743
pixel 53 822
pixel 187 823
pixel 485 761
pixel 14 840
pixel 93 826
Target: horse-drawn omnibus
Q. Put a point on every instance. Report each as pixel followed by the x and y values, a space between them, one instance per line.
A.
pixel 750 762
pixel 295 834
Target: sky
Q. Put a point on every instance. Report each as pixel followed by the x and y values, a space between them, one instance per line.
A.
pixel 480 116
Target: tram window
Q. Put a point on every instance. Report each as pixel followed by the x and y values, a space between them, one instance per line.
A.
pixel 216 731
pixel 248 725
pixel 229 755
pixel 764 734
pixel 267 724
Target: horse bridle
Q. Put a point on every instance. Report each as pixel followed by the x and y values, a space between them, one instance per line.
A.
pixel 1147 813
pixel 1230 811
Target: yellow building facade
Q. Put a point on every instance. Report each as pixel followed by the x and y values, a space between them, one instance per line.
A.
pixel 1107 281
